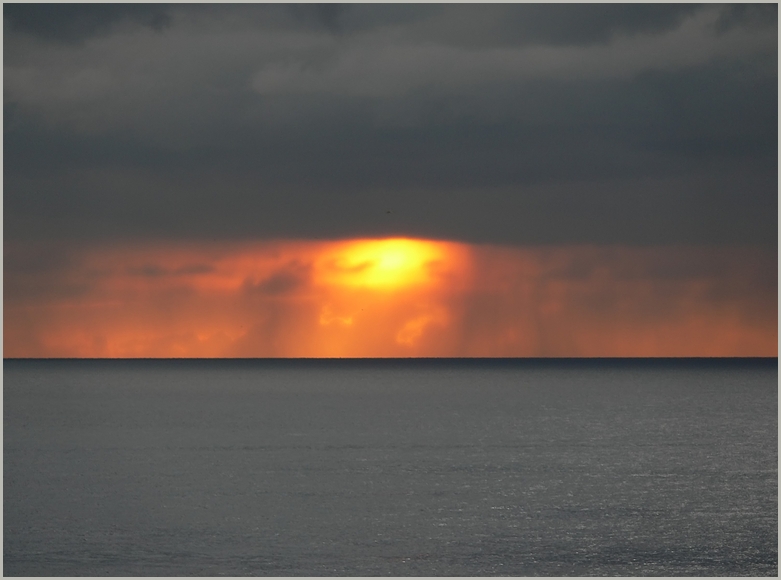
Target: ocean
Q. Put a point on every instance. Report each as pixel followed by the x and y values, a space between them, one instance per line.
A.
pixel 390 467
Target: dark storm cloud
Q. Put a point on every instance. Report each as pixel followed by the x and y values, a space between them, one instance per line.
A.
pixel 328 15
pixel 501 123
pixel 73 23
pixel 495 25
pixel 753 15
pixel 554 24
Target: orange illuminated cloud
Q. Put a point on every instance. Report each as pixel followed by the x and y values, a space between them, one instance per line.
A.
pixel 387 298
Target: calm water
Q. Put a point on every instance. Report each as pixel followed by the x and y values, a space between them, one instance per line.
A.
pixel 390 468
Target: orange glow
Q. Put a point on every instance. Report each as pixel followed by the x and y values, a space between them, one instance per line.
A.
pixel 387 298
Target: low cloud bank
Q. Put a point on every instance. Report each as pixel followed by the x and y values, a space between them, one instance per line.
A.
pixel 388 298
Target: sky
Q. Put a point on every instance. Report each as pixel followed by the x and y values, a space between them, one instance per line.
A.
pixel 390 180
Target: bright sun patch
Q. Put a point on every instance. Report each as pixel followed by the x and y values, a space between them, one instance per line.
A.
pixel 380 264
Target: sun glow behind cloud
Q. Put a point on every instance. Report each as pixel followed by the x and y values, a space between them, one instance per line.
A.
pixel 388 265
pixel 387 298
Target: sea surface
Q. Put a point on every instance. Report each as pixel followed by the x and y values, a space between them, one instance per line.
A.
pixel 390 468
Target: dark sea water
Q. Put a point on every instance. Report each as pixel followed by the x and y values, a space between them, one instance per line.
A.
pixel 391 468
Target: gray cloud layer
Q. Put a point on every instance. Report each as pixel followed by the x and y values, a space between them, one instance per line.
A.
pixel 501 123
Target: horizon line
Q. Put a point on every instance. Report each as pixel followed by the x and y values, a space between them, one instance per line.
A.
pixel 406 359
